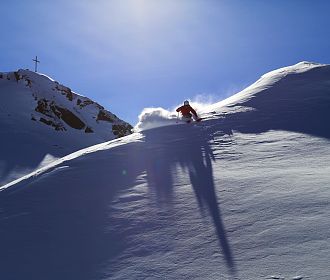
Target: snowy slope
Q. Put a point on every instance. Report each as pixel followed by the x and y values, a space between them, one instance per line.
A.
pixel 294 98
pixel 241 195
pixel 41 119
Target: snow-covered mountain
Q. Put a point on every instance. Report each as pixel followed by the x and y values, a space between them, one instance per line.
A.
pixel 41 119
pixel 242 195
pixel 294 98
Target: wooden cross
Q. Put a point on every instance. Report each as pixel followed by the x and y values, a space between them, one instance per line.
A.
pixel 36 62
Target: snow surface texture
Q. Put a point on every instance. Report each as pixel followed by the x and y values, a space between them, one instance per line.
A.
pixel 41 120
pixel 242 195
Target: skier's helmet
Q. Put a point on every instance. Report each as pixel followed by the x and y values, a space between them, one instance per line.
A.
pixel 186 102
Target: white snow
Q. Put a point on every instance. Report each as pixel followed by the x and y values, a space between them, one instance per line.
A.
pixel 159 117
pixel 242 195
pixel 265 82
pixel 155 117
pixel 25 141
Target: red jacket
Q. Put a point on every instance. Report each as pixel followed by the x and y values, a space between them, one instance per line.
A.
pixel 186 109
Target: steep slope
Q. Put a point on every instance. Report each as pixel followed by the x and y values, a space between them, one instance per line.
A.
pixel 294 98
pixel 41 119
pixel 202 201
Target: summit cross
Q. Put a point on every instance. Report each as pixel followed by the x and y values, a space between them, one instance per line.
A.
pixel 36 63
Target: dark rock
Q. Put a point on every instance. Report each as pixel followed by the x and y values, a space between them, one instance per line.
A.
pixel 104 116
pixel 51 123
pixel 121 130
pixel 69 118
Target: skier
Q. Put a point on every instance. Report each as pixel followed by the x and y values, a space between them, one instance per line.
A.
pixel 187 112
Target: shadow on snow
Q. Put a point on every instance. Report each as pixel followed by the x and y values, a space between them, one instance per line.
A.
pixel 66 230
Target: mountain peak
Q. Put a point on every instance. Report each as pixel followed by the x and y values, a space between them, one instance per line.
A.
pixel 41 116
pixel 300 67
pixel 61 108
pixel 290 98
pixel 309 63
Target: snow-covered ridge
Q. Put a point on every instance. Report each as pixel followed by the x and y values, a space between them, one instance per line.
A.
pixel 291 98
pixel 135 137
pixel 41 119
pixel 300 67
pixel 58 107
pixel 240 195
pixel 268 80
pixel 284 96
pixel 306 100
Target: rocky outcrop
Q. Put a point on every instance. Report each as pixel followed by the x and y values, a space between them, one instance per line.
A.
pixel 65 91
pixel 57 126
pixel 105 116
pixel 84 103
pixel 58 107
pixel 68 117
pixel 122 130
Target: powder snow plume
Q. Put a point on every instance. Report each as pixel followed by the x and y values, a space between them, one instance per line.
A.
pixel 158 117
pixel 155 117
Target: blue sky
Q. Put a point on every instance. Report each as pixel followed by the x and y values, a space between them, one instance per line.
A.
pixel 132 54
